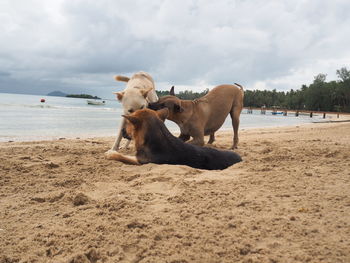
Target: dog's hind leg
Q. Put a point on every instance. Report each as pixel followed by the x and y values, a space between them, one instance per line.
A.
pixel 127 144
pixel 113 155
pixel 235 113
pixel 211 138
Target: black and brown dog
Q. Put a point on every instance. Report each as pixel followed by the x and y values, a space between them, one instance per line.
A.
pixel 155 144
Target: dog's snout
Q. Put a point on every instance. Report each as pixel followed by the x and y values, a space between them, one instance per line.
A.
pixel 153 106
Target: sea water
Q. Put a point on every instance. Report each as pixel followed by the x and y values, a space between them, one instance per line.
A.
pixel 25 118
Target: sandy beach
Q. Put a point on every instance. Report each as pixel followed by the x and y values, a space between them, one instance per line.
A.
pixel 288 201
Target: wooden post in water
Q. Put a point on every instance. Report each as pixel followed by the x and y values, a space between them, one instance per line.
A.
pixel 324 115
pixel 311 114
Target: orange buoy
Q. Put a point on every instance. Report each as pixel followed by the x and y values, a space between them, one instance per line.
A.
pixel 42 100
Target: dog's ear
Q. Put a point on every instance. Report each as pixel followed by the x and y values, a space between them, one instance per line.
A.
pixel 172 92
pixel 119 95
pixel 163 113
pixel 144 92
pixel 132 119
pixel 178 108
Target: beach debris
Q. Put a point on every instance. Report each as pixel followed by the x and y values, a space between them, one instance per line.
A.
pixel 136 224
pixel 80 259
pixel 80 199
pixel 51 165
pixel 55 198
pixel 245 250
pixel 38 199
pixel 50 199
pixel 244 203
pixel 231 225
pixel 6 259
pixel 95 142
pixel 25 158
pixel 90 257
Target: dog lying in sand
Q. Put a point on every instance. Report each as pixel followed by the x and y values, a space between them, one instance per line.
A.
pixel 155 144
pixel 204 116
pixel 140 90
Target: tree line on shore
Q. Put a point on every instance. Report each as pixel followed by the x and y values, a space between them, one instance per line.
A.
pixel 319 95
pixel 83 96
pixel 184 95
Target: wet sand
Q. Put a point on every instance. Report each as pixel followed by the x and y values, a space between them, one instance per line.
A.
pixel 288 201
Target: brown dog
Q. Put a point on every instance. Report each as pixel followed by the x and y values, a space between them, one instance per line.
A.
pixel 204 116
pixel 155 144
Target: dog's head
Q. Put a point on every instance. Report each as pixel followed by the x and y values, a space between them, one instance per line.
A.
pixel 133 100
pixel 141 121
pixel 171 102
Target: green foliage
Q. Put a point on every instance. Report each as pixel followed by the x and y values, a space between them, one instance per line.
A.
pixel 185 95
pixel 83 96
pixel 320 78
pixel 320 95
pixel 343 74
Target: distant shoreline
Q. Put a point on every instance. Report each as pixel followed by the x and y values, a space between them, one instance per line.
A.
pixel 82 96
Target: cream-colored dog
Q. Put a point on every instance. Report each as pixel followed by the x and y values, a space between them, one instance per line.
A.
pixel 140 90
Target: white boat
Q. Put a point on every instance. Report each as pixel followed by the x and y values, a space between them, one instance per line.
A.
pixel 96 102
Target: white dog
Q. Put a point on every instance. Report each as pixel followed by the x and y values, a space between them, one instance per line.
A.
pixel 140 90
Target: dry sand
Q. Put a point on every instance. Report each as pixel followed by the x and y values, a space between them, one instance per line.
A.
pixel 289 201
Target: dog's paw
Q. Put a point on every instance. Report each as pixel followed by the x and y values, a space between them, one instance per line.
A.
pixel 110 154
pixel 127 146
pixel 124 147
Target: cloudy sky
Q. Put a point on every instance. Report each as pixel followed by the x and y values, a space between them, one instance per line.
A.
pixel 77 46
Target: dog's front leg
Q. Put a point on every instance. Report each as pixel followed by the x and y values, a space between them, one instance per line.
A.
pixel 113 155
pixel 184 137
pixel 120 136
pixel 198 139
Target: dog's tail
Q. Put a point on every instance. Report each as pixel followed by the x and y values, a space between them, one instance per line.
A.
pixel 121 78
pixel 239 86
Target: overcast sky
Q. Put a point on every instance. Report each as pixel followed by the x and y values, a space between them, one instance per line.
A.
pixel 77 46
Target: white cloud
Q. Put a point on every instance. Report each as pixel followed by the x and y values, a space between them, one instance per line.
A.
pixel 79 45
